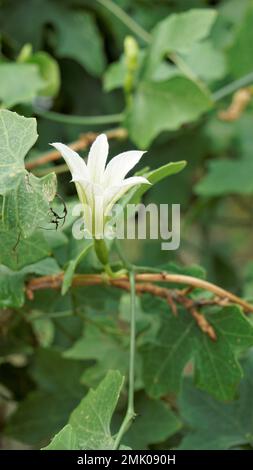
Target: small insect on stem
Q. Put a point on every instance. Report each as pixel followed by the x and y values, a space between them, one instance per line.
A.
pixel 56 217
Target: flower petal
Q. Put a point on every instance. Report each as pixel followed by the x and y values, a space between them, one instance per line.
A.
pixel 98 218
pixel 89 190
pixel 97 158
pixel 134 180
pixel 76 164
pixel 84 191
pixel 120 165
pixel 114 193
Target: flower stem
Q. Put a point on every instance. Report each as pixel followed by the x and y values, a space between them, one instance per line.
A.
pixel 126 19
pixel 81 120
pixel 130 414
pixel 103 256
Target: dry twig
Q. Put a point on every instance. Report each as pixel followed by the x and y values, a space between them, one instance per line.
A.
pixel 84 141
pixel 145 283
pixel 239 103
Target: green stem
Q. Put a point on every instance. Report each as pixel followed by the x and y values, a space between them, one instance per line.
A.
pixel 126 19
pixel 232 87
pixel 130 414
pixel 81 120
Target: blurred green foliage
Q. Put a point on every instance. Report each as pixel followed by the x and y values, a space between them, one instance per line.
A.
pixel 168 85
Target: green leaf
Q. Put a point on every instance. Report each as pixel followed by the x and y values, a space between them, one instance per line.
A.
pixel 70 271
pixel 154 176
pixel 115 75
pixel 49 71
pixel 155 423
pixel 66 439
pixel 17 253
pixel 15 11
pixel 108 350
pixel 164 105
pixel 74 32
pixel 179 33
pixel 45 411
pixel 39 416
pixel 19 83
pixel 43 268
pixel 49 370
pixel 227 177
pixel 17 135
pixel 240 54
pixel 216 366
pixel 192 270
pixel 78 38
pixel 43 329
pixel 206 61
pixel 26 198
pixel 26 207
pixel 12 289
pixel 90 421
pixel 215 425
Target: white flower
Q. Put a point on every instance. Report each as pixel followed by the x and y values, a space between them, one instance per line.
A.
pixel 99 186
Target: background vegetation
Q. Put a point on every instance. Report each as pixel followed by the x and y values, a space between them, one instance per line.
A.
pixel 174 78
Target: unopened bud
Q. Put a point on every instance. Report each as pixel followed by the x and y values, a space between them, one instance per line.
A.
pixel 131 49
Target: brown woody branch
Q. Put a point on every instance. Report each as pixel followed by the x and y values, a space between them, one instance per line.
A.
pixel 145 283
pixel 84 141
pixel 240 101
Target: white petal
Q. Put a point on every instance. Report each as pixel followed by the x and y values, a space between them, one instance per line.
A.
pixel 97 190
pixel 98 218
pixel 133 180
pixel 89 191
pixel 91 196
pixel 75 163
pixel 120 165
pixel 97 158
pixel 84 190
pixel 114 193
